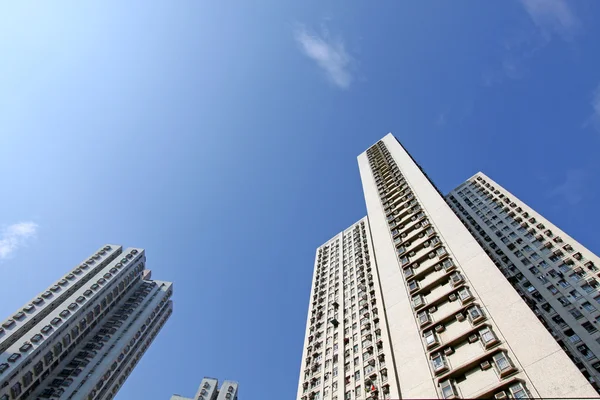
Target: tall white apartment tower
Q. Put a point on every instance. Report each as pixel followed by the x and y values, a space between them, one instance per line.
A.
pixel 81 338
pixel 441 321
pixel 209 390
pixel 555 275
pixel 346 350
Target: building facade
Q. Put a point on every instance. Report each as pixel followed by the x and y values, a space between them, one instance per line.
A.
pixel 81 338
pixel 555 275
pixel 209 390
pixel 346 349
pixel 449 324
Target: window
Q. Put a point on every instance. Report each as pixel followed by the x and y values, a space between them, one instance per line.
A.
pixel 27 378
pixel 418 301
pixel 553 289
pixel 430 338
pixel 465 295
pixel 424 318
pixel 38 368
pixel 587 288
pixel 447 389
pixel 488 337
pixel 48 358
pixel 438 362
pixel 588 307
pixel 503 363
pixel 576 313
pixel 589 327
pixel 15 390
pixel 474 314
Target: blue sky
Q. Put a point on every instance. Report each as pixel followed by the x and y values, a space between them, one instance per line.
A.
pixel 223 139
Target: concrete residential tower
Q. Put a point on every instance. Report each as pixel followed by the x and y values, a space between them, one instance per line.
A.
pixel 346 350
pixel 555 275
pixel 432 316
pixel 81 338
pixel 209 390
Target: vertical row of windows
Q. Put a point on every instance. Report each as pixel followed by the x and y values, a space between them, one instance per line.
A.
pixel 441 298
pixel 344 348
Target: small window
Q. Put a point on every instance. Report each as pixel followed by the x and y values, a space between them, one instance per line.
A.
pixel 46 294
pixel 36 338
pixel 65 313
pixel 55 288
pixel 88 293
pixel 503 363
pixel 56 321
pixel 46 329
pixel 518 391
pixel 26 346
pixel 8 323
pixel 19 316
pixel 488 337
pixel 438 362
pixel 73 306
pixel 14 357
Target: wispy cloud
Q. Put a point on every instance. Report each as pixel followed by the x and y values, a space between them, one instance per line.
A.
pixel 572 187
pixel 15 236
pixel 553 16
pixel 550 18
pixel 594 119
pixel 329 54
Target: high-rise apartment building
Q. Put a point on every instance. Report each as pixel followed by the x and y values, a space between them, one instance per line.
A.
pixel 346 350
pixel 209 390
pixel 81 338
pixel 555 275
pixel 426 314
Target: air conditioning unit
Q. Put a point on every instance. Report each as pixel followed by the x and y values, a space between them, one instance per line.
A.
pixel 228 395
pixel 500 395
pixel 448 351
pixel 440 328
pixel 473 338
pixel 485 365
pixel 452 297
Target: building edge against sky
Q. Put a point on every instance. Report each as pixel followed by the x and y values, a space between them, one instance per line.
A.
pixel 209 390
pixel 82 337
pixel 556 275
pixel 450 324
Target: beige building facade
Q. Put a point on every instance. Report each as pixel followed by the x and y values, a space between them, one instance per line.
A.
pixel 553 273
pixel 449 324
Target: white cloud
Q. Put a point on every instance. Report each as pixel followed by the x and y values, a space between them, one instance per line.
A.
pixel 573 187
pixel 329 54
pixel 553 16
pixel 15 236
pixel 595 118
